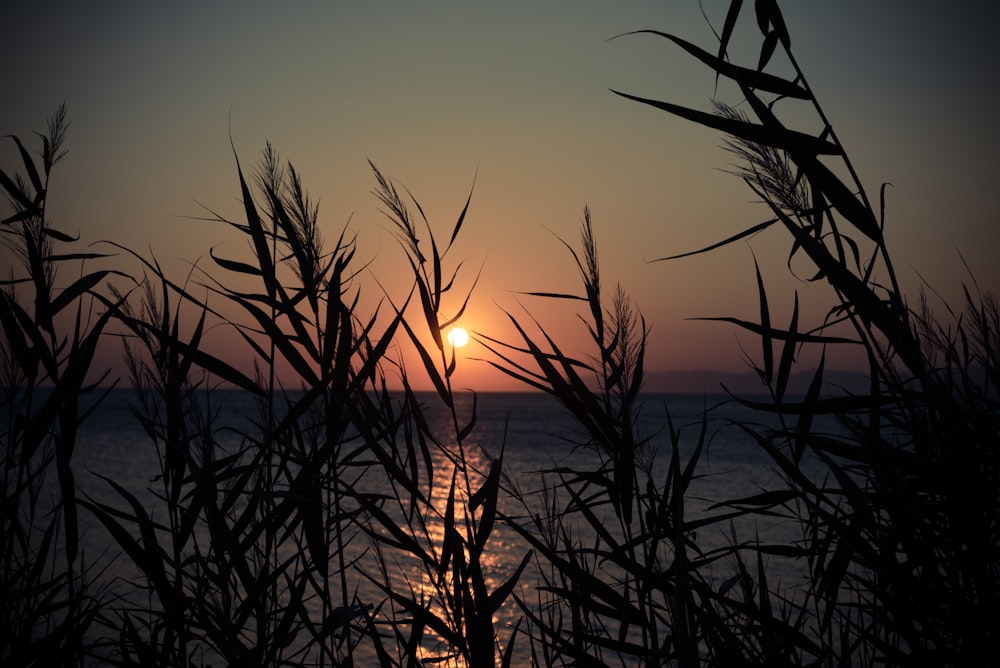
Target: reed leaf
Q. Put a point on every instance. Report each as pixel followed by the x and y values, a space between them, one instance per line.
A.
pixel 310 511
pixel 461 215
pixel 67 490
pixel 803 427
pixel 421 617
pixel 502 592
pixel 29 165
pixel 24 355
pixel 59 236
pixel 284 343
pixel 332 324
pixel 80 287
pixel 467 428
pixel 202 359
pixel 725 242
pixel 787 354
pixel 41 560
pixel 766 499
pixel 451 540
pixel 234 266
pixel 257 235
pixel 732 16
pixel 40 278
pixel 781 334
pixel 767 51
pixel 21 199
pixel 398 537
pixel 24 214
pixel 753 78
pixel 788 140
pixel 486 497
pixel 222 535
pixel 67 257
pixel 147 555
pixel 765 322
pixel 769 19
pixel 429 366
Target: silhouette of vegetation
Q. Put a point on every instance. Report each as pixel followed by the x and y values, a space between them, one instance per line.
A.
pixel 261 543
pixel 900 535
pixel 47 351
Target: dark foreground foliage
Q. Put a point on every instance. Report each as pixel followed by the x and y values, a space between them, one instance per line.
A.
pixel 259 545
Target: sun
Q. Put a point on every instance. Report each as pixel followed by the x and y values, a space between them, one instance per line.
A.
pixel 458 337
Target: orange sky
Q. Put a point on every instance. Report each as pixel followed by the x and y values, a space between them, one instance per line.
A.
pixel 515 95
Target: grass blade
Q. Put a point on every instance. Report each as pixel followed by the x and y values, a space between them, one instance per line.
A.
pixel 789 140
pixel 765 322
pixel 787 354
pixel 753 78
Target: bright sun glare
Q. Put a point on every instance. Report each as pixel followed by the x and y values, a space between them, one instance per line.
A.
pixel 458 337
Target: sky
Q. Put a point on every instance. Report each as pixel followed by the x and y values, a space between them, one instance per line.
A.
pixel 513 97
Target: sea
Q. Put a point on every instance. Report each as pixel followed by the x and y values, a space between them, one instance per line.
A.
pixel 533 433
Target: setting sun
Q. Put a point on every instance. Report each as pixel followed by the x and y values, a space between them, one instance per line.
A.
pixel 458 337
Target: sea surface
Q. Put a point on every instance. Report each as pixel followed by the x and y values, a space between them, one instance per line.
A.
pixel 531 430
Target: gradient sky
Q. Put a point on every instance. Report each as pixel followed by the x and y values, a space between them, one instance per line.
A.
pixel 436 92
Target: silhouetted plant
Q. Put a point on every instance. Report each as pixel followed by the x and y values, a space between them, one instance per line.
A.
pixel 49 339
pixel 901 539
pixel 431 547
pixel 241 569
pixel 259 557
pixel 620 574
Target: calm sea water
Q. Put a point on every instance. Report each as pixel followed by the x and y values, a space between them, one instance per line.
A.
pixel 534 434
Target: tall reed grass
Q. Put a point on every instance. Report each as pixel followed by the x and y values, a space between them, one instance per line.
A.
pixel 48 391
pixel 901 536
pixel 264 549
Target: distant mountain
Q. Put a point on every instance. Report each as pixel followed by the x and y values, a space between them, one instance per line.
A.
pixel 706 381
